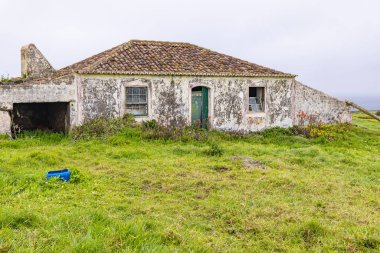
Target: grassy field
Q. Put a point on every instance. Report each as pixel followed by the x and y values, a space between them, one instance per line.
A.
pixel 268 192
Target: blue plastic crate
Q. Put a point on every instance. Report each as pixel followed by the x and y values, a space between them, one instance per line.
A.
pixel 64 174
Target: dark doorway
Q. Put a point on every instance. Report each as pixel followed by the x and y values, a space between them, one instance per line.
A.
pixel 41 116
pixel 199 106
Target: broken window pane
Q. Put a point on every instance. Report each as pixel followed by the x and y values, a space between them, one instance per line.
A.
pixel 256 99
pixel 137 101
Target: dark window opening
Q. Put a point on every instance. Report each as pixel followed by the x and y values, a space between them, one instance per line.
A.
pixel 256 99
pixel 40 116
pixel 198 88
pixel 137 101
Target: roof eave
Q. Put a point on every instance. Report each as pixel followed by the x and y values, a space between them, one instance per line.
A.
pixel 280 75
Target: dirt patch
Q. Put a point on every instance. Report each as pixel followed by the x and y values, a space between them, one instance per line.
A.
pixel 220 168
pixel 249 163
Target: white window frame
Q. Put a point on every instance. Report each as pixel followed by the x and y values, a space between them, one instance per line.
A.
pixel 143 104
pixel 123 100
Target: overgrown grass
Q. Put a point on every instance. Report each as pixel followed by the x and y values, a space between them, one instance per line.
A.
pixel 140 189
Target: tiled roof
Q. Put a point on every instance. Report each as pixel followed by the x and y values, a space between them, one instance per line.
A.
pixel 167 58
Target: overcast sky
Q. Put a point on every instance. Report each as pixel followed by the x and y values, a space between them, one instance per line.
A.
pixel 332 45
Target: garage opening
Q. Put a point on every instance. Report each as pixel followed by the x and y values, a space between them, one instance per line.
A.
pixel 52 117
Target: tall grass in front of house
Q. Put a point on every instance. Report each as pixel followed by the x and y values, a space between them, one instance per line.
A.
pixel 138 189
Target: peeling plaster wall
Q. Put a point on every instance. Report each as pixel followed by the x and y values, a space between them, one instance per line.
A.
pixel 100 97
pixel 318 107
pixel 5 122
pixel 170 100
pixel 105 96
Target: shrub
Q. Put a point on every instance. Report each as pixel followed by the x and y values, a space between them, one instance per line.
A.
pixel 378 113
pixel 329 132
pixel 102 127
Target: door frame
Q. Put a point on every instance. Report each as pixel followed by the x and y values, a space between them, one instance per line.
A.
pixel 210 103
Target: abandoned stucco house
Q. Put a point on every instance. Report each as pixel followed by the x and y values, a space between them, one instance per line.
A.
pixel 176 84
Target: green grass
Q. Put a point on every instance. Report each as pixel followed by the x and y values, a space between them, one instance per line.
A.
pixel 133 194
pixel 363 120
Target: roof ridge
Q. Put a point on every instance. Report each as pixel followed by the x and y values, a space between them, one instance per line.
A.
pixel 160 42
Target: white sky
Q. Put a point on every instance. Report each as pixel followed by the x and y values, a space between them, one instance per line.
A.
pixel 332 45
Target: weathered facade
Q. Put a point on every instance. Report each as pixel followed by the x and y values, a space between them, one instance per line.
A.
pixel 177 84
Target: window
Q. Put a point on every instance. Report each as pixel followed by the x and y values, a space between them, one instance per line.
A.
pixel 256 99
pixel 137 101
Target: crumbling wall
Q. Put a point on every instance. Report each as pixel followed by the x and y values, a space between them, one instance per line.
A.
pixel 169 100
pixel 230 97
pixel 279 102
pixel 99 97
pixel 170 107
pixel 105 96
pixel 33 63
pixel 313 106
pixel 60 90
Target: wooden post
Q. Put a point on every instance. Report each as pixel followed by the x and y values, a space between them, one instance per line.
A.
pixel 349 103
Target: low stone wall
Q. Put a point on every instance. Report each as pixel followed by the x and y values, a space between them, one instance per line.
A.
pixel 313 106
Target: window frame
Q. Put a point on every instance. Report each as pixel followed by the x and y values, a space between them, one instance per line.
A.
pixel 139 103
pixel 263 103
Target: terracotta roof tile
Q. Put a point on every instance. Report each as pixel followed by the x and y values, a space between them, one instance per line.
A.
pixel 167 58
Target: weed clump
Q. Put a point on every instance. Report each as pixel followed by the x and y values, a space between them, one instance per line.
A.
pixel 275 132
pixel 102 127
pixel 215 150
pixel 76 177
pixel 150 124
pixel 311 233
pixel 369 243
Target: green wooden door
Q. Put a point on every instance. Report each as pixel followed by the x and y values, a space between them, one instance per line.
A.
pixel 199 107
